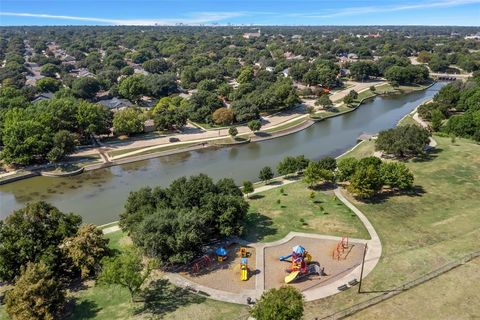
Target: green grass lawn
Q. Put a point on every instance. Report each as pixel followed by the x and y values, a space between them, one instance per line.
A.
pixel 158 149
pixel 286 125
pixel 269 220
pixel 421 232
pixel 407 120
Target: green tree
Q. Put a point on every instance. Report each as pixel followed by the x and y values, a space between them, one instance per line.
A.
pixel 287 166
pixel 363 70
pixel 403 141
pixel 49 70
pixel 232 131
pixel 248 187
pixel 346 168
pixel 125 270
pixel 170 113
pixel 246 75
pixel 86 249
pixel 328 163
pixel 396 175
pixel 48 85
pixel 160 85
pixel 197 209
pixel 46 226
pixel 366 181
pixel 324 101
pixel 266 174
pixel 93 119
pixel 63 144
pixel 24 141
pixel 132 87
pixel 86 88
pixel 436 119
pixel 155 66
pixel 127 121
pixel 316 173
pixel 37 294
pixel 254 125
pixel 285 303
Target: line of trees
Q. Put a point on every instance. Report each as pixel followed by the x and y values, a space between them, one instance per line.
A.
pixel 455 109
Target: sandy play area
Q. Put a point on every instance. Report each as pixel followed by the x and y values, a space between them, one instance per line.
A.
pixel 225 275
pixel 321 252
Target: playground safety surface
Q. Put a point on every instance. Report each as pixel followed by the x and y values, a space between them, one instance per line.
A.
pixel 225 276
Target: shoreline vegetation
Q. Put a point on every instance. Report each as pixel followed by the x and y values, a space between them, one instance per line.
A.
pixel 289 127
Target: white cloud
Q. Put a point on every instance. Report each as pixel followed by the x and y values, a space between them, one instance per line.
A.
pixel 192 18
pixel 352 11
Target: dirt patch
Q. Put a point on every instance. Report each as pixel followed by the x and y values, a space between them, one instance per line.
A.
pixel 321 252
pixel 225 275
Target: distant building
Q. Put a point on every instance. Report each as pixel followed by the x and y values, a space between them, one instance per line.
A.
pixel 473 36
pixel 352 56
pixel 115 103
pixel 83 73
pixel 149 125
pixel 286 72
pixel 43 96
pixel 251 35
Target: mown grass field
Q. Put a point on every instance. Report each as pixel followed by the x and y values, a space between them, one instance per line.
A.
pixel 442 295
pixel 274 214
pixel 422 232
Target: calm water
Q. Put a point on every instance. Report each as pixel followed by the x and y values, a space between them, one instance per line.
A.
pixel 99 195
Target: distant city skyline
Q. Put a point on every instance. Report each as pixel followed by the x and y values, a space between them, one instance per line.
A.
pixel 246 12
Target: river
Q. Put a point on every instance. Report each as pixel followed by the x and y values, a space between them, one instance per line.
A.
pixel 99 196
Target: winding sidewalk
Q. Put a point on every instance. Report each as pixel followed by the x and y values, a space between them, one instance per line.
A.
pixel 372 257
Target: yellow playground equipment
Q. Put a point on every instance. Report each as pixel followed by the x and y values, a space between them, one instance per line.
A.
pixel 244 269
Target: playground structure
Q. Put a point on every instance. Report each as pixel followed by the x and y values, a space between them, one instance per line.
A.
pixel 244 263
pixel 222 254
pixel 204 262
pixel 244 269
pixel 301 266
pixel 341 250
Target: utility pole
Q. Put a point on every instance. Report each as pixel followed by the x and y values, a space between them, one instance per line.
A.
pixel 361 271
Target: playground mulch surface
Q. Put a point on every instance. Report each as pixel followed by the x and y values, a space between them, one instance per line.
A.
pixel 321 252
pixel 226 275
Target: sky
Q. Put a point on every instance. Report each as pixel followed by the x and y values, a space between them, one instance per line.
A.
pixel 238 12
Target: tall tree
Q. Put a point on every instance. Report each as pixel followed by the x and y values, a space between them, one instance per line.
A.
pixel 86 248
pixel 285 303
pixel 37 294
pixel 126 270
pixel 127 121
pixel 31 234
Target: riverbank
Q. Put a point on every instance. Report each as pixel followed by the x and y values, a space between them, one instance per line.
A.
pixel 96 194
pixel 290 126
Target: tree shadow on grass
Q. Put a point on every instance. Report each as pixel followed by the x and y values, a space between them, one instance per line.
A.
pixel 86 309
pixel 416 191
pixel 161 297
pixel 258 226
pixel 256 196
pixel 430 155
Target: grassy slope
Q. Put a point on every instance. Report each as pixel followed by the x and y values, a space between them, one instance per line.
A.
pixel 442 294
pixel 421 233
pixel 270 221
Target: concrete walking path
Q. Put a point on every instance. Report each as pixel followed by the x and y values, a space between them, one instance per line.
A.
pixel 372 257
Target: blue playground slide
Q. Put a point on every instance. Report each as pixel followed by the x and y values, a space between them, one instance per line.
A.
pixel 283 258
